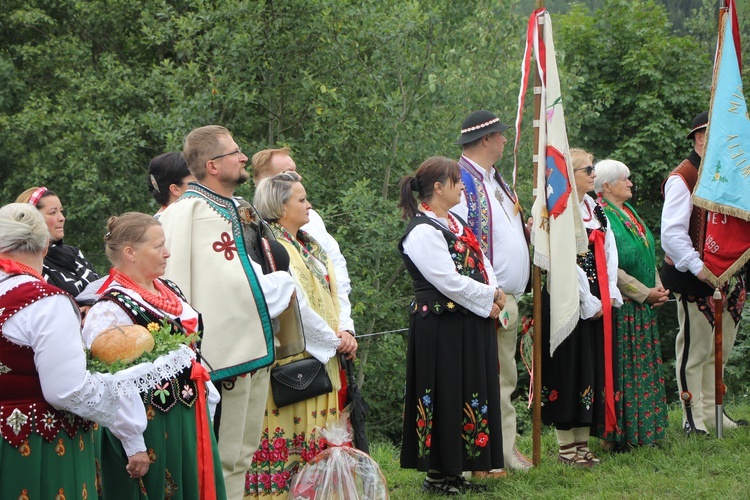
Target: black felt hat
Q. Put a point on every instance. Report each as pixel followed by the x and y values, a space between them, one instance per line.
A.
pixel 478 124
pixel 699 123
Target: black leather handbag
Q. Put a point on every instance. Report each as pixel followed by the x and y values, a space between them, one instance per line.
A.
pixel 299 380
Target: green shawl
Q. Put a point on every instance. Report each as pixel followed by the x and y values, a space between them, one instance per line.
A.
pixel 636 252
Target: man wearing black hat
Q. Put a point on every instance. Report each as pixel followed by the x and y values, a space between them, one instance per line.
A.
pixel 491 209
pixel 682 233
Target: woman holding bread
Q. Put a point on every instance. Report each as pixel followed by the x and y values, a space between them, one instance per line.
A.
pixel 47 447
pixel 178 438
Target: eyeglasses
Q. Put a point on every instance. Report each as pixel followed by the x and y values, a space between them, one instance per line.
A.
pixel 589 170
pixel 237 151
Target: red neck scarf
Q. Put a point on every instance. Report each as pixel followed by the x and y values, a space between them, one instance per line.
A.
pixel 15 267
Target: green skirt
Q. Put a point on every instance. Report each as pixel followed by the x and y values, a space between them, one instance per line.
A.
pixel 640 397
pixel 171 443
pixel 38 469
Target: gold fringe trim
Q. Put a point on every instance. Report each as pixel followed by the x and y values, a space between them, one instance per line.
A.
pixel 718 281
pixel 721 209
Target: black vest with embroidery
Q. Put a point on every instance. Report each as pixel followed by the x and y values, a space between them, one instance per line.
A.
pixel 428 299
pixel 179 389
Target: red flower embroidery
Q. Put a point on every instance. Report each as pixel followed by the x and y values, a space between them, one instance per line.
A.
pixel 482 439
pixel 469 427
pixel 420 423
pixel 428 440
pixel 553 395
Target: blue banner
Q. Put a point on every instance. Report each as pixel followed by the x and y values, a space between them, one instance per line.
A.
pixel 724 177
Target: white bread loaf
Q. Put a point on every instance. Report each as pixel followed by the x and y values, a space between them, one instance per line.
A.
pixel 124 343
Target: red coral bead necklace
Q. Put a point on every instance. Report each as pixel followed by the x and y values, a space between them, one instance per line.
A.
pixel 165 299
pixel 452 222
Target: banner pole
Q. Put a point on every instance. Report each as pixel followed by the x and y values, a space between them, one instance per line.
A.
pixel 718 369
pixel 537 287
pixel 718 298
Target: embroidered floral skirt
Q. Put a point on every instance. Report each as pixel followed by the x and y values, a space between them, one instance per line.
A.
pixel 573 378
pixel 171 443
pixel 452 419
pixel 640 397
pixel 289 439
pixel 38 469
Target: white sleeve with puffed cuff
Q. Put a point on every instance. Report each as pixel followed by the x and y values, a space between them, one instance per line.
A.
pixel 130 423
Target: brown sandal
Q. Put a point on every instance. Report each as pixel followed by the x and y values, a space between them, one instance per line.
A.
pixel 575 461
pixel 582 449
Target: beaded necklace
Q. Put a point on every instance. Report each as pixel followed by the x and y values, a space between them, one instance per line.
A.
pixel 452 222
pixel 165 299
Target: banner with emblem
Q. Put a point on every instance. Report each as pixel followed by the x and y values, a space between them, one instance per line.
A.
pixel 723 185
pixel 558 234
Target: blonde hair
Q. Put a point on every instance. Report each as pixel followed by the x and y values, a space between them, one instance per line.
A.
pixel 200 146
pixel 261 162
pixel 125 230
pixel 272 193
pixel 22 229
pixel 579 157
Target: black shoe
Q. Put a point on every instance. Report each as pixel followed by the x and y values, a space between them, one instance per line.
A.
pixel 739 423
pixel 464 485
pixel 444 487
pixel 689 431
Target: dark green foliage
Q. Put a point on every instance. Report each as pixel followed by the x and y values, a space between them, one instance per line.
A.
pixel 362 92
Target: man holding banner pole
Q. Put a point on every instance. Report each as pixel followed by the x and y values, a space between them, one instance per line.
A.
pixel 683 235
pixel 706 236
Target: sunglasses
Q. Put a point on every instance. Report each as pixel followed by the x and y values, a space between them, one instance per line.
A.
pixel 589 170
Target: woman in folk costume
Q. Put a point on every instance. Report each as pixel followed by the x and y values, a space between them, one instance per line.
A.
pixel 47 449
pixel 452 419
pixel 641 405
pixel 289 438
pixel 64 265
pixel 577 391
pixel 178 438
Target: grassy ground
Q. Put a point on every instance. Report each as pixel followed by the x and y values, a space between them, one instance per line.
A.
pixel 682 467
